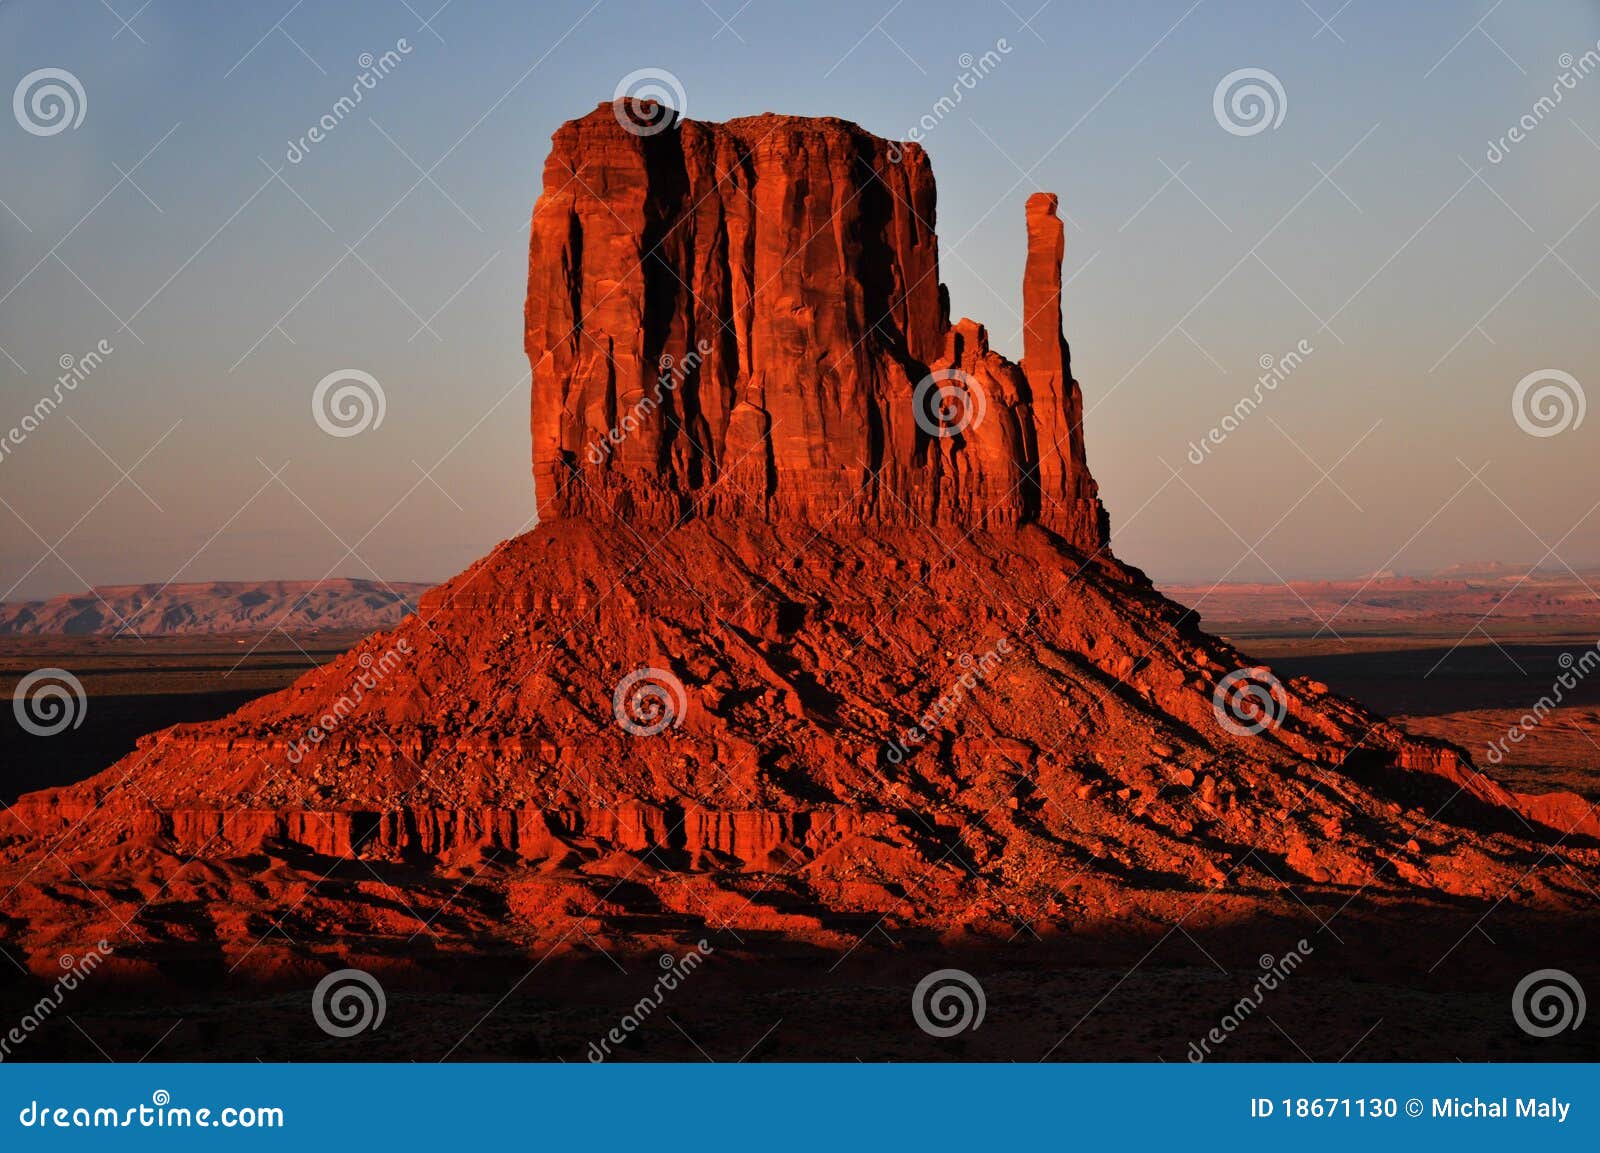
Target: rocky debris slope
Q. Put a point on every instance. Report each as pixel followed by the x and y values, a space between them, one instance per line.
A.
pixel 858 725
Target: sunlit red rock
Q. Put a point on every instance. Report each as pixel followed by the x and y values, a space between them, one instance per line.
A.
pixel 910 686
pixel 753 306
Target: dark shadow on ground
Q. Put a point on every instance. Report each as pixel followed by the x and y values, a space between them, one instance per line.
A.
pixel 1437 680
pixel 1389 984
pixel 138 685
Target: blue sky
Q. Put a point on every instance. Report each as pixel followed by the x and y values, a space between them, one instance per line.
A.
pixel 1369 223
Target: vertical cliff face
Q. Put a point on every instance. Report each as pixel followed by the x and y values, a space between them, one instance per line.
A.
pixel 746 320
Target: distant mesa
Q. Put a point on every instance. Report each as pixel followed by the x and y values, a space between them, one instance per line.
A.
pixel 1485 570
pixel 215 607
pixel 1467 592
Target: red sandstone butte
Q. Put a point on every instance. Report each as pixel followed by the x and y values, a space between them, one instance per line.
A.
pixel 917 689
pixel 788 269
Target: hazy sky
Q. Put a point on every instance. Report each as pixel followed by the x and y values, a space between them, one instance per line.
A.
pixel 1370 223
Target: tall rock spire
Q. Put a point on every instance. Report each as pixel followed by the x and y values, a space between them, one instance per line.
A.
pixel 1069 498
